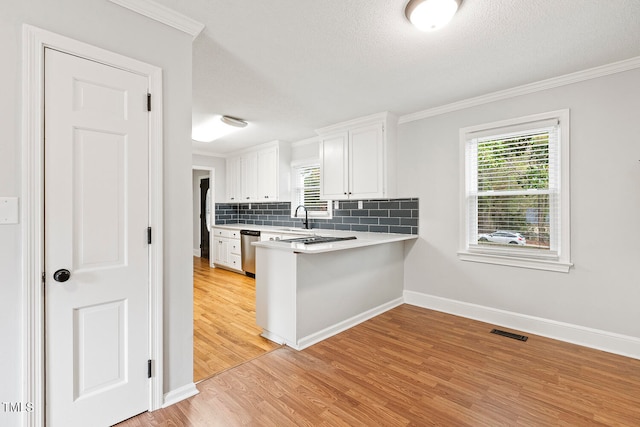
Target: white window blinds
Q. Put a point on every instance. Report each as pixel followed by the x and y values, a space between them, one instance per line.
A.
pixel 512 188
pixel 306 190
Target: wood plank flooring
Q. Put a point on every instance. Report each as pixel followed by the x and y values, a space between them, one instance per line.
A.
pixel 225 333
pixel 416 367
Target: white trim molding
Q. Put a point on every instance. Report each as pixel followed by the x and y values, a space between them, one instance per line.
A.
pixel 179 394
pixel 567 79
pixel 611 342
pixel 163 14
pixel 35 41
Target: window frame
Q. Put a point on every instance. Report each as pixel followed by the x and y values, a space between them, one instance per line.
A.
pixel 295 165
pixel 559 261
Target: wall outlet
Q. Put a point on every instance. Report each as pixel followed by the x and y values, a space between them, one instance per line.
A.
pixel 336 204
pixel 359 204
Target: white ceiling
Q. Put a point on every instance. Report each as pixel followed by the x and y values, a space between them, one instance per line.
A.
pixel 291 66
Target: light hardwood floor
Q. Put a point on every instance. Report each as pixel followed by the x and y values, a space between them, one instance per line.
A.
pixel 411 366
pixel 225 333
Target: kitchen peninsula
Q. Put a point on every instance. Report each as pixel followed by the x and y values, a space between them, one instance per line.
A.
pixel 308 292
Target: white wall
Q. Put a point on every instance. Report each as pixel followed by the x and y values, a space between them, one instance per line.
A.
pixel 602 291
pixel 306 149
pixel 220 177
pixel 103 24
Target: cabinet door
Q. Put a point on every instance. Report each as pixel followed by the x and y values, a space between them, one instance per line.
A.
pixel 366 162
pixel 249 181
pixel 333 167
pixel 233 179
pixel 221 250
pixel 268 174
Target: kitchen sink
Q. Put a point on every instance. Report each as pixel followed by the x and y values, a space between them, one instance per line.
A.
pixel 317 239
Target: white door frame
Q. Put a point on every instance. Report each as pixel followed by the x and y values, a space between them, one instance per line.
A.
pixel 35 40
pixel 212 183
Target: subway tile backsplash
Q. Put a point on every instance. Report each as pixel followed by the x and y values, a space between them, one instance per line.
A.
pixel 378 216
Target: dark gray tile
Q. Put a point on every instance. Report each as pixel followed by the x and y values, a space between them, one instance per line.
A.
pixel 389 205
pixel 350 220
pixel 359 212
pixel 400 213
pixel 401 230
pixel 409 205
pixel 389 221
pixel 363 228
pixel 379 228
pixel 379 213
pixel 409 221
pixel 349 205
pixel 343 227
pixel 370 205
pixel 368 220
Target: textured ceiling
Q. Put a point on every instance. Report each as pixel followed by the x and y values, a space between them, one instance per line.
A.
pixel 292 66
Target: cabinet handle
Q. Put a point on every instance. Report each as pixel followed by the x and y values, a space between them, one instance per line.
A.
pixel 247 198
pixel 345 192
pixel 266 197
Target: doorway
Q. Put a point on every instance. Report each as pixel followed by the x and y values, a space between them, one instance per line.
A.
pixel 225 333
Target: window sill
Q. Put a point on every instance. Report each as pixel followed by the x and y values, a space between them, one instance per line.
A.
pixel 535 264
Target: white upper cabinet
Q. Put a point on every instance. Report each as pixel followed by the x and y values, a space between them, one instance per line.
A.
pixel 249 181
pixel 233 179
pixel 260 174
pixel 268 172
pixel 334 150
pixel 358 158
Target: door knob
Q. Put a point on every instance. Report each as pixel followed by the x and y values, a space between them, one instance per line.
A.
pixel 61 275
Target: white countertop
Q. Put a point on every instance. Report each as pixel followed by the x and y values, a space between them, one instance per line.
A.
pixel 361 240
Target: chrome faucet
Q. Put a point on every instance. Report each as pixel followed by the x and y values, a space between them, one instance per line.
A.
pixel 306 216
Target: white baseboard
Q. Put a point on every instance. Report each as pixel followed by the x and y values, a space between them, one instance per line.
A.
pixel 196 252
pixel 611 342
pixel 182 393
pixel 315 338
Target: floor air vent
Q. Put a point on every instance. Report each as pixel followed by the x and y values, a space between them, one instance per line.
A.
pixel 509 335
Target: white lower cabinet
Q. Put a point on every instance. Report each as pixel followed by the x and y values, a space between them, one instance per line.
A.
pixel 226 251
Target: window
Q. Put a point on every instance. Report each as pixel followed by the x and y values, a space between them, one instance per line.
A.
pixel 515 197
pixel 306 190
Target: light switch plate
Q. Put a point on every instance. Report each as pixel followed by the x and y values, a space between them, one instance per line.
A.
pixel 359 204
pixel 8 210
pixel 336 204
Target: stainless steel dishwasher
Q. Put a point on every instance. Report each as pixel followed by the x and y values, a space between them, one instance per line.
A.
pixel 248 251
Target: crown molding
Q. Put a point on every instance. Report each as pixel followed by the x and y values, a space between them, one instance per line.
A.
pixel 163 14
pixel 567 79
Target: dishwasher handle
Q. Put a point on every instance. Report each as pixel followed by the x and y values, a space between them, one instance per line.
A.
pixel 250 233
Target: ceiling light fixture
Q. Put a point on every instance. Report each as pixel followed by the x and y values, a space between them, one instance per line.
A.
pixel 232 121
pixel 429 15
pixel 215 127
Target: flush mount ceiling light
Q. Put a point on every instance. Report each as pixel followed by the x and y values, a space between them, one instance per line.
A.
pixel 215 127
pixel 429 15
pixel 232 121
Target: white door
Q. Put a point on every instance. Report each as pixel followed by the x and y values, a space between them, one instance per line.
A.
pixel 96 217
